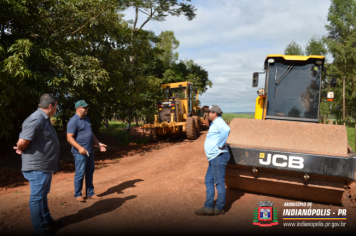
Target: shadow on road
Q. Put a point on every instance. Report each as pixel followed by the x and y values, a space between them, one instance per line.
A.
pixel 119 188
pixel 232 196
pixel 98 208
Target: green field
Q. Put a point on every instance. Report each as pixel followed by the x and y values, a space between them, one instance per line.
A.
pixel 229 116
pixel 232 115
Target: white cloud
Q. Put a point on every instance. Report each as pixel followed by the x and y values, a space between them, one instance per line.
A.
pixel 220 80
pixel 231 39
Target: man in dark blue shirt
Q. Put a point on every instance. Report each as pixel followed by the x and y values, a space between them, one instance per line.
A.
pixel 82 139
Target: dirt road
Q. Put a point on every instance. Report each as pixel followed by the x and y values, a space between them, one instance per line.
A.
pixel 154 191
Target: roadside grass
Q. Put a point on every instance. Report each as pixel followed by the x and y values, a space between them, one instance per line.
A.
pixel 116 130
pixel 229 116
pixel 351 137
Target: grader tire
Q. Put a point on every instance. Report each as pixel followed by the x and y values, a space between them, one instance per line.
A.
pixel 154 135
pixel 197 125
pixel 191 130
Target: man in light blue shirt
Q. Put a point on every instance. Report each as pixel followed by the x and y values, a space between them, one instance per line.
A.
pixel 218 156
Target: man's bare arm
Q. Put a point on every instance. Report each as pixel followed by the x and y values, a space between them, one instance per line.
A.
pixel 74 143
pixel 96 141
pixel 22 144
pixel 101 146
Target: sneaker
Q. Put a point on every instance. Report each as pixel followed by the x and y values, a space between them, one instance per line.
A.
pixel 204 212
pixel 80 199
pixel 54 224
pixel 218 212
pixel 94 197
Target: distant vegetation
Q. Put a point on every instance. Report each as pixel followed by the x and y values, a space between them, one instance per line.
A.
pixel 116 130
pixel 351 137
pixel 229 116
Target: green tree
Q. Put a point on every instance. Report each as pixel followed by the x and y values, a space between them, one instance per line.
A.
pixel 36 45
pixel 316 46
pixel 168 43
pixel 78 49
pixel 341 41
pixel 155 10
pixel 188 71
pixel 293 48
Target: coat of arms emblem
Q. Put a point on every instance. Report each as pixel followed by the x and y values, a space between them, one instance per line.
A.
pixel 265 215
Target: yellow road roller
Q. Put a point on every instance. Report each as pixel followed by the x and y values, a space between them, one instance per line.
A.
pixel 285 151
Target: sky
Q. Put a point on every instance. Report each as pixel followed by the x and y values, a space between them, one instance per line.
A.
pixel 231 39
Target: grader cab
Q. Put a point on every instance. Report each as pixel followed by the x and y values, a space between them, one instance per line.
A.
pixel 285 151
pixel 177 113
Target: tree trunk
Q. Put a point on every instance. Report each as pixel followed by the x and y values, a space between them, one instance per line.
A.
pixel 131 70
pixel 136 120
pixel 106 123
pixel 343 99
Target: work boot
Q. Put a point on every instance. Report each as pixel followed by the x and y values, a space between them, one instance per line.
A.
pixel 54 223
pixel 80 199
pixel 218 212
pixel 204 212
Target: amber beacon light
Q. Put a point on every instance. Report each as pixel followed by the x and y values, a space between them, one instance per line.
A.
pixel 330 96
pixel 261 92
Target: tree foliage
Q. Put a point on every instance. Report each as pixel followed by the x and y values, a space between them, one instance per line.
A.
pixel 155 10
pixel 341 42
pixel 293 48
pixel 316 46
pixel 37 41
pixel 80 49
pixel 168 43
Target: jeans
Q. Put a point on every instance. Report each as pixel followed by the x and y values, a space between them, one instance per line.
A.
pixel 84 165
pixel 40 184
pixel 216 174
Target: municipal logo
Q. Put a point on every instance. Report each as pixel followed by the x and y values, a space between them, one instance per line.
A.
pixel 265 215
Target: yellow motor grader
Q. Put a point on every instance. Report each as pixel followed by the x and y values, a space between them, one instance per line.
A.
pixel 285 151
pixel 177 113
pixel 204 117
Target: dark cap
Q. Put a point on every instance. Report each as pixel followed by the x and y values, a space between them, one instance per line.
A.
pixel 215 108
pixel 81 103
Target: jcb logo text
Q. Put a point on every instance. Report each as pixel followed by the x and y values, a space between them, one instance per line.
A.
pixel 283 161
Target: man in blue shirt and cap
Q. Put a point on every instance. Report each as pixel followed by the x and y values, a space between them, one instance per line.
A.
pixel 82 139
pixel 218 156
